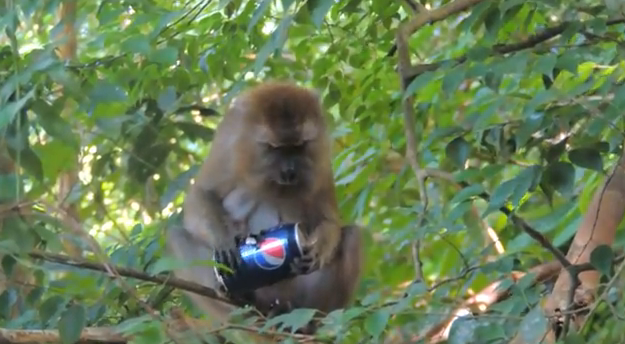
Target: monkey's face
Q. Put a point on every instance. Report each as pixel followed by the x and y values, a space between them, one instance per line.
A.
pixel 283 141
pixel 287 166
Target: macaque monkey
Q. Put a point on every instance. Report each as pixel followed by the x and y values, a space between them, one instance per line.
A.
pixel 270 163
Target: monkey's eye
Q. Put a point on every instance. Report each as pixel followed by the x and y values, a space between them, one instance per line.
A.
pixel 300 145
pixel 268 146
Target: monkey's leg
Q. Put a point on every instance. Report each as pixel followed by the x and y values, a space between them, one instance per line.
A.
pixel 326 289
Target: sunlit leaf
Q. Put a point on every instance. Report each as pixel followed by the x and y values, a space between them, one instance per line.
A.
pixel 260 10
pixel 318 13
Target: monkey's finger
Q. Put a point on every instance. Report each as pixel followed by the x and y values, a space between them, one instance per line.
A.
pixel 238 239
pixel 234 259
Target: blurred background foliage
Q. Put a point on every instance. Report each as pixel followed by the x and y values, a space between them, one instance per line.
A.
pixel 534 122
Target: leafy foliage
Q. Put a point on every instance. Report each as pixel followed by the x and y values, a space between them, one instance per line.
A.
pixel 518 100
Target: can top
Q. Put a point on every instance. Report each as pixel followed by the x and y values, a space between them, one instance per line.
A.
pixel 296 236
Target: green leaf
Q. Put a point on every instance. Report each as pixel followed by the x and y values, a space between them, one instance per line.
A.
pixel 286 4
pixel 589 158
pixel 138 44
pixel 222 4
pixel 376 322
pixel 29 161
pixel 500 195
pixel 166 56
pixel 71 324
pixel 465 193
pixel 602 258
pixel 574 338
pixel 568 61
pixel 58 157
pixel 262 7
pixel 10 109
pixel 195 131
pixel 298 318
pixel 533 325
pixel 492 333
pixel 462 329
pixel 106 92
pixel 560 176
pixel 319 12
pixel 529 126
pixel 526 180
pixel 10 187
pixel 176 186
pixel 166 263
pixel 167 99
pixel 458 151
pixel 54 124
pixel 7 300
pixel 418 83
pixel 458 211
pixel 50 307
pixel 545 63
pixel 492 20
pixel 453 79
pixel 8 263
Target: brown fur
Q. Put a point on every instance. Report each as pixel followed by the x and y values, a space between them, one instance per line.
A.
pixel 236 192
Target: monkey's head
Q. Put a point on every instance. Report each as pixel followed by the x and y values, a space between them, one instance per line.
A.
pixel 285 146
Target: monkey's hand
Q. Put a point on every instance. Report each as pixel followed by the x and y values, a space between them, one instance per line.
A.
pixel 227 253
pixel 318 248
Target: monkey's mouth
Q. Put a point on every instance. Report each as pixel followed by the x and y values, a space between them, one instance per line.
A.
pixel 282 182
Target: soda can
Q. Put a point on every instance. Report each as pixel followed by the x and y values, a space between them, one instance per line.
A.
pixel 264 262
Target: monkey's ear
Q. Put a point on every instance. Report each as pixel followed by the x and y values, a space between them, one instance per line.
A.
pixel 239 105
pixel 316 94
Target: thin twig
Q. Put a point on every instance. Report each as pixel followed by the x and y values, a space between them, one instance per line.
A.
pixel 411 142
pixel 432 16
pixel 501 49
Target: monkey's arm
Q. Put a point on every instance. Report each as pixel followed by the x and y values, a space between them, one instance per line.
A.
pixel 208 222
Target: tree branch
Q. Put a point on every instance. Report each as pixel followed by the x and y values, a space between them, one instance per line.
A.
pixel 501 49
pixel 165 279
pixel 432 16
pixel 517 220
pixel 411 140
pixel 487 297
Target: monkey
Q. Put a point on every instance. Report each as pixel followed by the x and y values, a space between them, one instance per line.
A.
pixel 270 164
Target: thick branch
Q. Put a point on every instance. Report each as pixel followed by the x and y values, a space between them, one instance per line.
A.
pixel 489 296
pixel 598 227
pixel 109 335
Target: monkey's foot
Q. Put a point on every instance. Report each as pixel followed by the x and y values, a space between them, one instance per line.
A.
pixel 276 308
pixel 242 299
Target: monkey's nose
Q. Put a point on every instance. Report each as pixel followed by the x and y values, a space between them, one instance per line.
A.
pixel 288 176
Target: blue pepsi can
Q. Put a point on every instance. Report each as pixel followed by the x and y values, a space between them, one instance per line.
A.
pixel 264 261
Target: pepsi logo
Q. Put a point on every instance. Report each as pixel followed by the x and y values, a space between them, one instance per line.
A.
pixel 271 254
